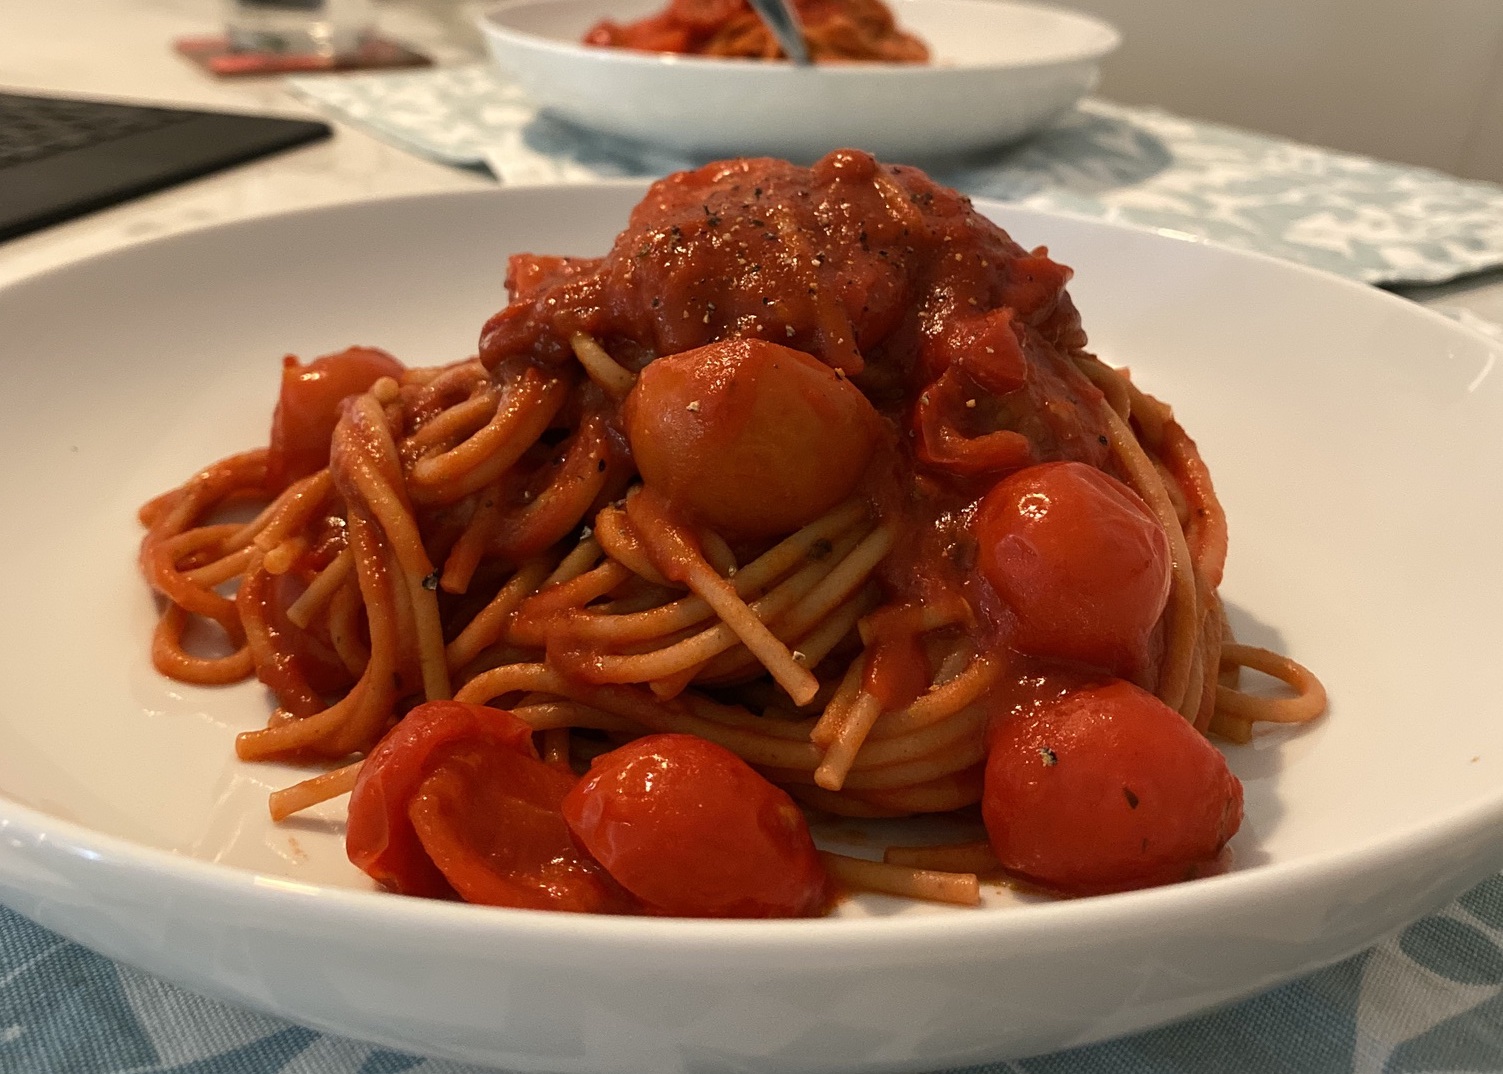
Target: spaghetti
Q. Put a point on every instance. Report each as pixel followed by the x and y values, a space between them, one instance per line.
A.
pixel 834 30
pixel 759 476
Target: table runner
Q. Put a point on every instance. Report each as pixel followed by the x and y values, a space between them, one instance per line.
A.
pixel 1361 218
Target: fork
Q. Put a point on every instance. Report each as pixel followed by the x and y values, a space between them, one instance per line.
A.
pixel 782 20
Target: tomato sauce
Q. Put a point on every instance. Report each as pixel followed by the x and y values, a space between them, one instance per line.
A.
pixel 958 336
pixel 772 366
pixel 798 336
pixel 834 31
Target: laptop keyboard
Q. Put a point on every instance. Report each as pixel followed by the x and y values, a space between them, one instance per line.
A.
pixel 62 157
pixel 32 128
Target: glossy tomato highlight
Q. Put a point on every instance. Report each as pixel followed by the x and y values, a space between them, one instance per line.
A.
pixel 692 831
pixel 1080 560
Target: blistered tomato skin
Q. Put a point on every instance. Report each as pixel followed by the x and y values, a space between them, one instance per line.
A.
pixel 488 818
pixel 692 831
pixel 454 800
pixel 1080 560
pixel 379 836
pixel 749 437
pixel 1107 789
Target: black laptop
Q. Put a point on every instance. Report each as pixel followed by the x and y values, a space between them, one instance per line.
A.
pixel 61 157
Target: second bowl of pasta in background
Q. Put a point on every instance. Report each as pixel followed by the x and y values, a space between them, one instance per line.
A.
pixel 997 72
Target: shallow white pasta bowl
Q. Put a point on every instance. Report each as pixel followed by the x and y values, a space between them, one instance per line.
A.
pixel 1001 70
pixel 1354 440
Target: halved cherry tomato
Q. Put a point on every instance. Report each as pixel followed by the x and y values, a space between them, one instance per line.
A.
pixel 692 831
pixel 308 408
pixel 1106 789
pixel 380 838
pixel 750 437
pixel 488 817
pixel 1081 561
pixel 455 800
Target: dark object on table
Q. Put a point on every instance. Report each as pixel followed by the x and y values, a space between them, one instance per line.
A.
pixel 217 56
pixel 63 157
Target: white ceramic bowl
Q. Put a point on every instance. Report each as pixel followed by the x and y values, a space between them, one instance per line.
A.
pixel 1354 438
pixel 1000 70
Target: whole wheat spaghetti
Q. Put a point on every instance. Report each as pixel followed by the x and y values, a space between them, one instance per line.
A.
pixel 733 480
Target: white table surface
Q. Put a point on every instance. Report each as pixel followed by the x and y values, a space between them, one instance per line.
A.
pixel 123 48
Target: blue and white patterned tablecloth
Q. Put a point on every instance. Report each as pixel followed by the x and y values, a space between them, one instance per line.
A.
pixel 1427 1000
pixel 1382 223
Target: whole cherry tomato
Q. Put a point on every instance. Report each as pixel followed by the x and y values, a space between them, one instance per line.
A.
pixel 752 438
pixel 692 831
pixel 1106 789
pixel 455 800
pixel 1080 560
pixel 308 408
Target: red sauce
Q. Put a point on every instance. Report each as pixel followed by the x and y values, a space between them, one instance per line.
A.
pixel 850 348
pixel 834 31
pixel 957 335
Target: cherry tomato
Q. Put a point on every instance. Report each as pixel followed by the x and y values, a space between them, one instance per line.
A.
pixel 1106 789
pixel 692 831
pixel 488 818
pixel 308 408
pixel 455 800
pixel 380 838
pixel 1080 560
pixel 752 438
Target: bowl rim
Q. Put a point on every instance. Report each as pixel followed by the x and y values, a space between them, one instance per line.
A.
pixel 28 833
pixel 36 835
pixel 1107 39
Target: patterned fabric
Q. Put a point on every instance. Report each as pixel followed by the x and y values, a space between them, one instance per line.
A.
pixel 1428 1000
pixel 1382 223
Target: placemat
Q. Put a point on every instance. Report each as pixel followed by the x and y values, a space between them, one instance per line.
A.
pixel 1361 218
